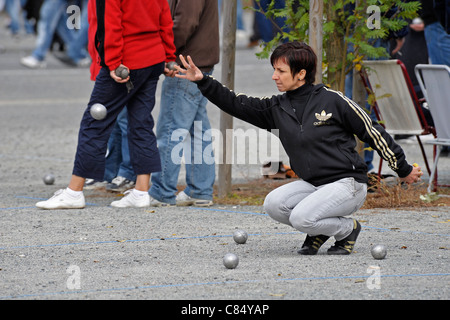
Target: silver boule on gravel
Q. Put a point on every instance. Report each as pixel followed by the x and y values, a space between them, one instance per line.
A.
pixel 49 179
pixel 98 111
pixel 379 251
pixel 230 260
pixel 240 236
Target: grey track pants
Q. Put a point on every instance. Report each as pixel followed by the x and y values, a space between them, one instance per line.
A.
pixel 317 210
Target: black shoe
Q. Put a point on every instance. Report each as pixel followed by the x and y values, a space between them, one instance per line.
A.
pixel 120 184
pixel 312 244
pixel 346 245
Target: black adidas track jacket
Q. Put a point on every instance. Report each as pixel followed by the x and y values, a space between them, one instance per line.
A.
pixel 320 146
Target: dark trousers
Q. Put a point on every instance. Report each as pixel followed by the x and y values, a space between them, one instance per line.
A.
pixel 94 134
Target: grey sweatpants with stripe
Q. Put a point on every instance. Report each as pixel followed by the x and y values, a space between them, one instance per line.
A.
pixel 317 210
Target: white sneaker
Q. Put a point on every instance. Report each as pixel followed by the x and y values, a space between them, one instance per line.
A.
pixel 130 200
pixel 184 200
pixel 62 200
pixel 32 63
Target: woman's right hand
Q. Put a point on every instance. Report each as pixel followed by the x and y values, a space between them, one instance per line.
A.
pixel 191 72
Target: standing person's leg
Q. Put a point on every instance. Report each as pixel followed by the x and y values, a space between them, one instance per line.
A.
pixel 13 10
pixel 175 119
pixel 92 142
pixel 368 152
pixel 126 168
pixel 122 177
pixel 94 134
pixel 200 170
pixel 144 152
pixel 50 15
pixel 77 50
pixel 264 25
pixel 114 154
pixel 28 25
pixel 280 21
pixel 438 44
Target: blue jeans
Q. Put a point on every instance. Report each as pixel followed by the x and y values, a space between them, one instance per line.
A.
pixel 317 210
pixel 118 162
pixel 266 28
pixel 13 9
pixel 77 48
pixel 183 127
pixel 239 14
pixel 438 43
pixel 53 18
pixel 94 134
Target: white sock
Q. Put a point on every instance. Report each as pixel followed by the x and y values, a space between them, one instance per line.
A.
pixel 72 193
pixel 139 193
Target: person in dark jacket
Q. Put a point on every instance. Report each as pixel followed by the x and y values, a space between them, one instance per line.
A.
pixel 316 126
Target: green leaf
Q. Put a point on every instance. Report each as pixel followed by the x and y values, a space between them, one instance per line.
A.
pixel 429 197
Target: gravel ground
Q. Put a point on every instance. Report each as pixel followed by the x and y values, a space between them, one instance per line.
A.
pixel 176 253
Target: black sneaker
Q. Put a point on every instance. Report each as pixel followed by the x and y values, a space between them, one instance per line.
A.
pixel 312 244
pixel 120 184
pixel 346 245
pixel 91 184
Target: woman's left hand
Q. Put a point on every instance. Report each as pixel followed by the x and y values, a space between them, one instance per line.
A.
pixel 414 176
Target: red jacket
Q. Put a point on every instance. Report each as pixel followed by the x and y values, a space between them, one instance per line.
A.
pixel 135 33
pixel 92 19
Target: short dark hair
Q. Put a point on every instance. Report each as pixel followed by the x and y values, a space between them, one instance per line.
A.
pixel 298 55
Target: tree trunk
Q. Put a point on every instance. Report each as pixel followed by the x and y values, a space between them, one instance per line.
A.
pixel 335 52
pixel 226 120
pixel 316 33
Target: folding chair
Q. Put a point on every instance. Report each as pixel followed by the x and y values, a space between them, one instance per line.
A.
pixel 396 103
pixel 434 80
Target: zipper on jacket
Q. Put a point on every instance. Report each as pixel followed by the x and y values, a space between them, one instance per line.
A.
pixel 298 121
pixel 306 107
pixel 293 116
pixel 295 113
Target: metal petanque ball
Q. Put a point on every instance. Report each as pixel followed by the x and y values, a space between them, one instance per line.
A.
pixel 49 179
pixel 171 65
pixel 230 261
pixel 240 236
pixel 379 251
pixel 122 72
pixel 98 111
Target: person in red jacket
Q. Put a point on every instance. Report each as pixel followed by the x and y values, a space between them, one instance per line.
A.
pixel 136 35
